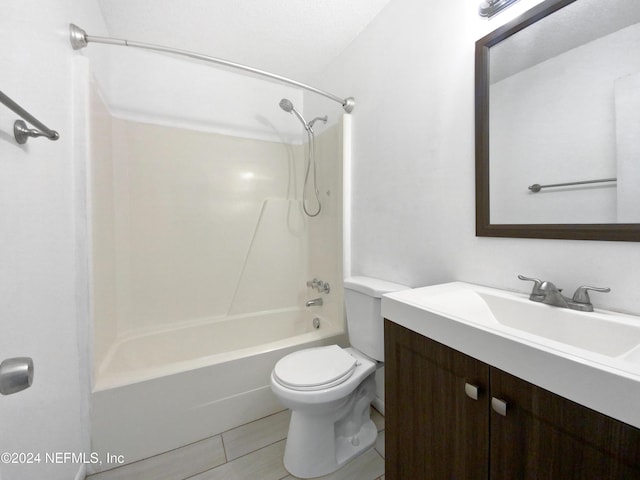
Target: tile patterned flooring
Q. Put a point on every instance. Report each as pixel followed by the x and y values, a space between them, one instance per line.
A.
pixel 250 452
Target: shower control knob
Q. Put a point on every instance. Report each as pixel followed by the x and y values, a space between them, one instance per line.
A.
pixel 16 374
pixel 324 287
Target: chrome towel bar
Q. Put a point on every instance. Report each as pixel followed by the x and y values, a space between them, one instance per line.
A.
pixel 20 129
pixel 536 187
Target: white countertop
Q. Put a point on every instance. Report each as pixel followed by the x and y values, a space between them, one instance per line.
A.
pixel 605 383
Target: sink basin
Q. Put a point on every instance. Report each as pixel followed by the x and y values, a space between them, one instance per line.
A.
pixel 591 331
pixel 604 333
pixel 592 358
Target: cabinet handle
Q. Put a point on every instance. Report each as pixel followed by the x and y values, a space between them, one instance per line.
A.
pixel 499 406
pixel 471 391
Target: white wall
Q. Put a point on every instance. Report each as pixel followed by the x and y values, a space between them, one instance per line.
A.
pixel 412 75
pixel 180 92
pixel 43 270
pixel 627 102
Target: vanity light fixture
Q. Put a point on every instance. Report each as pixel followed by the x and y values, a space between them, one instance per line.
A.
pixel 489 8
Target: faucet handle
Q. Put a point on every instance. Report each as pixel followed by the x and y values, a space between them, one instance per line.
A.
pixel 582 293
pixel 324 287
pixel 536 281
pixel 536 292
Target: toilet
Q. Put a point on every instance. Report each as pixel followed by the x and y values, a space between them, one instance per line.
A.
pixel 329 389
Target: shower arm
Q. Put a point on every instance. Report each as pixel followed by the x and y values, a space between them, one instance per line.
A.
pixel 79 39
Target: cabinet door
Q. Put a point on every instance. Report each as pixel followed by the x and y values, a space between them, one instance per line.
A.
pixel 545 436
pixel 433 430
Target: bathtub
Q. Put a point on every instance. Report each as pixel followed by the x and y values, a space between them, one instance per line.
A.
pixel 158 391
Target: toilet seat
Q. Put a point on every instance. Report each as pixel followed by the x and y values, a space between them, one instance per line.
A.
pixel 315 368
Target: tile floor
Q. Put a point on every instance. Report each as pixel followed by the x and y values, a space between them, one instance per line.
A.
pixel 250 452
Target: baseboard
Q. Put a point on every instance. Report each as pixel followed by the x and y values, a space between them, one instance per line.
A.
pixel 378 404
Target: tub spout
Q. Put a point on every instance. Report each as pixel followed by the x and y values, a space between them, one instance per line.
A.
pixel 313 303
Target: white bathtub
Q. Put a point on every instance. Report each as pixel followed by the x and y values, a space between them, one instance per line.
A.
pixel 156 392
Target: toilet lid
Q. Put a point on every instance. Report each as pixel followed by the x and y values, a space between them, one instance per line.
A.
pixel 315 368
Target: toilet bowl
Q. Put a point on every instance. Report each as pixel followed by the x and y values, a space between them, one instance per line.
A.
pixel 330 423
pixel 330 389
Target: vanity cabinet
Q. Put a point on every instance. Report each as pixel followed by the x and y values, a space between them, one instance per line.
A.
pixel 436 430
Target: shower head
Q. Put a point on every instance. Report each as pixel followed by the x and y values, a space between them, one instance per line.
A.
pixel 287 106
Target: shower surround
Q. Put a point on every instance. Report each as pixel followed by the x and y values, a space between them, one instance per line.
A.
pixel 201 254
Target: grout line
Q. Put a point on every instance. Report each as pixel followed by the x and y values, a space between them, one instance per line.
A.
pixel 226 456
pixel 258 449
pixel 198 441
pixel 253 421
pixel 241 456
pixel 161 454
pixel 224 450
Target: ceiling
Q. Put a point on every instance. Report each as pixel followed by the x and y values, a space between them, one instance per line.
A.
pixel 293 38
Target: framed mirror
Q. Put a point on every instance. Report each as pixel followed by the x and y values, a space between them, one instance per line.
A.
pixel 558 123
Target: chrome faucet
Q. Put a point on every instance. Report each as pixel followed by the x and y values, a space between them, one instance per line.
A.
pixel 547 292
pixel 552 295
pixel 316 302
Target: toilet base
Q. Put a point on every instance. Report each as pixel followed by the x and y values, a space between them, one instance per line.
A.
pixel 365 439
pixel 317 445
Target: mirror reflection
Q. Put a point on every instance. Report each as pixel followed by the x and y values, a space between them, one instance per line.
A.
pixel 564 118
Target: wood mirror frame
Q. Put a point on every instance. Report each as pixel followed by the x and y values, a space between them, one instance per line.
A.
pixel 629 232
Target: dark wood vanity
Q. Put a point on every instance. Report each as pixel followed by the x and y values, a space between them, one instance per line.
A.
pixel 435 429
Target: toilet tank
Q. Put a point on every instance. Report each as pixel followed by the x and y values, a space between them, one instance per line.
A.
pixel 362 299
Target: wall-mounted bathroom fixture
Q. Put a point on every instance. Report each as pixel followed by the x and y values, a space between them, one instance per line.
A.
pixel 16 374
pixel 79 39
pixel 319 285
pixel 489 8
pixel 287 106
pixel 536 187
pixel 21 131
pixel 314 302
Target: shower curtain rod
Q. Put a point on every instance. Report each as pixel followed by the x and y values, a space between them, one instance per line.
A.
pixel 80 39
